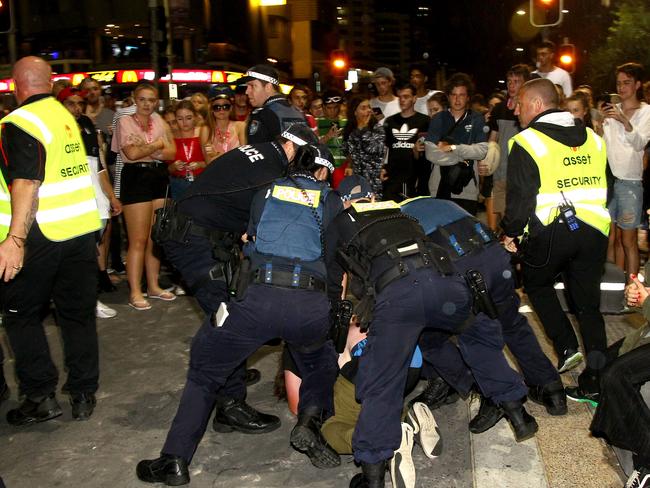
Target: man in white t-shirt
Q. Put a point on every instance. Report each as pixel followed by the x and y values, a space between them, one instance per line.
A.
pixel 418 77
pixel 385 103
pixel 546 68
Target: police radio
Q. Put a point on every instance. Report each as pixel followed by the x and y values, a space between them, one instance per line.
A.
pixel 567 213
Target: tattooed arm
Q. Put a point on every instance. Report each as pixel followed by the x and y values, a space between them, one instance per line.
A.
pixel 24 204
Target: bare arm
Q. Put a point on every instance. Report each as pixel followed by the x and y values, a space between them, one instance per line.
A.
pixel 24 204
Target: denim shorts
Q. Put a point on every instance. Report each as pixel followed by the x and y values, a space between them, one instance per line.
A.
pixel 626 207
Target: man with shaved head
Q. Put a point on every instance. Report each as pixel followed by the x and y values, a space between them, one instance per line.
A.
pixel 48 216
pixel 556 199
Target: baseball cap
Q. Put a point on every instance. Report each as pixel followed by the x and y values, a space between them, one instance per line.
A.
pixel 300 134
pixel 353 187
pixel 332 96
pixel 383 72
pixel 70 91
pixel 262 72
pixel 220 91
pixel 324 157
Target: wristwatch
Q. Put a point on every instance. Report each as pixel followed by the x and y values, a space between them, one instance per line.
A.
pixel 453 147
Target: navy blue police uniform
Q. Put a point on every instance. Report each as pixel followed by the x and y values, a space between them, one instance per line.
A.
pixel 406 285
pixel 271 119
pixel 472 245
pixel 285 298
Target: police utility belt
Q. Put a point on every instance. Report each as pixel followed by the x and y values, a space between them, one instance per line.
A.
pixel 463 237
pixel 287 279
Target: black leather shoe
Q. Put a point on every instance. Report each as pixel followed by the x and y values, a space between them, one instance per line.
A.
pixel 551 395
pixel 523 424
pixel 306 437
pixel 371 476
pixel 104 283
pixel 34 411
pixel 487 417
pixel 167 469
pixel 436 394
pixel 83 405
pixel 252 376
pixel 237 415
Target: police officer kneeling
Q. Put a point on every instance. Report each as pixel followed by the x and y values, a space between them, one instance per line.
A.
pixel 285 298
pixel 472 245
pixel 406 284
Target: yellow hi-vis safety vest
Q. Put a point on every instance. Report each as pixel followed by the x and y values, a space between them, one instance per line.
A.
pixel 577 172
pixel 66 199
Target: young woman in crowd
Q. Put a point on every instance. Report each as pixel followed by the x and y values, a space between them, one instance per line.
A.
pixel 220 134
pixel 189 161
pixel 201 106
pixel 144 140
pixel 578 105
pixel 437 103
pixel 364 142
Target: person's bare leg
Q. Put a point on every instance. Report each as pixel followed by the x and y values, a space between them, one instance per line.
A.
pixel 151 262
pixel 138 224
pixel 630 244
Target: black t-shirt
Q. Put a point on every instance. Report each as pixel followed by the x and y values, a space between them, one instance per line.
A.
pixel 22 155
pixel 89 137
pixel 220 197
pixel 501 112
pixel 401 135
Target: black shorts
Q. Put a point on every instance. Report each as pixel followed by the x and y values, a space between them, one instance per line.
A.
pixel 486 186
pixel 143 184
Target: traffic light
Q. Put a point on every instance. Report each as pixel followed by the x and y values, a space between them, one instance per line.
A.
pixel 5 16
pixel 339 63
pixel 567 57
pixel 546 13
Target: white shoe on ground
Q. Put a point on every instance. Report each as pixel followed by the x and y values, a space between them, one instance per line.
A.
pixel 426 430
pixel 103 311
pixel 402 469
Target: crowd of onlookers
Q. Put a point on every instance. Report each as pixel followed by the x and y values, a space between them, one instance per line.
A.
pixel 384 130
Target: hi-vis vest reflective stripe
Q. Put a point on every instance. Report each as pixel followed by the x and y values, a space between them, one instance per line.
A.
pixel 67 207
pixel 577 172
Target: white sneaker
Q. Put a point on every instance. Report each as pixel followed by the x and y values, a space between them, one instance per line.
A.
pixel 179 291
pixel 402 469
pixel 104 312
pixel 426 430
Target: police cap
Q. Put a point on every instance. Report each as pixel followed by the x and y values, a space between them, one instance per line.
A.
pixel 262 72
pixel 300 135
pixel 324 157
pixel 353 187
pixel 220 91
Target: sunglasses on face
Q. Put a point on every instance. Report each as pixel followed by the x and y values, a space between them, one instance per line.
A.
pixel 217 108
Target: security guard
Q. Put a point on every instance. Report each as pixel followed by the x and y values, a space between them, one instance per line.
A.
pixel 47 225
pixel 201 242
pixel 472 245
pixel 283 295
pixel 557 194
pixel 272 113
pixel 406 285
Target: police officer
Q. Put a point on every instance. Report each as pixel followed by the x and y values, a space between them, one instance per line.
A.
pixel 407 284
pixel 47 225
pixel 557 194
pixel 201 243
pixel 471 245
pixel 283 296
pixel 272 114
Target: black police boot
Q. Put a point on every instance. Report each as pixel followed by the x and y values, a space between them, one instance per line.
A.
pixel 523 424
pixel 551 395
pixel 436 394
pixel 371 476
pixel 487 417
pixel 167 469
pixel 35 410
pixel 232 414
pixel 252 376
pixel 83 405
pixel 306 437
